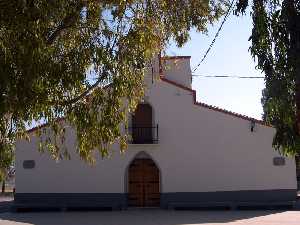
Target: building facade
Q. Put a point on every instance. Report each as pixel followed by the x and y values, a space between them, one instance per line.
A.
pixel 183 154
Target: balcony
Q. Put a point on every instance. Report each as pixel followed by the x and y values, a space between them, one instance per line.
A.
pixel 144 135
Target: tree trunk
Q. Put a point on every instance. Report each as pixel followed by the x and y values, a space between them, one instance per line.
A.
pixel 3 186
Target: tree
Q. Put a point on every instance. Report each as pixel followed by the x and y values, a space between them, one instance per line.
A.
pixel 276 47
pixel 57 56
pixel 6 160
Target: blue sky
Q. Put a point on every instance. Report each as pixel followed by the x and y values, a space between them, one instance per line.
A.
pixel 229 56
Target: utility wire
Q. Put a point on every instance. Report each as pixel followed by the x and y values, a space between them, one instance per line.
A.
pixel 228 76
pixel 216 35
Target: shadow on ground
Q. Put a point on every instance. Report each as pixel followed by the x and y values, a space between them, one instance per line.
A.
pixel 136 217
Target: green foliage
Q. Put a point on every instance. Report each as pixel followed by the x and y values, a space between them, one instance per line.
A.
pixel 57 56
pixel 276 25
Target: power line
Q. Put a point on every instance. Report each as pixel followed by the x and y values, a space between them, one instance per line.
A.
pixel 228 76
pixel 216 35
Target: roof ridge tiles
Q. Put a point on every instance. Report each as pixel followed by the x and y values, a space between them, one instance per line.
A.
pixel 215 108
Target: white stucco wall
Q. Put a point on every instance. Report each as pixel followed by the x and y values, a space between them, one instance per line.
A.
pixel 199 150
pixel 178 69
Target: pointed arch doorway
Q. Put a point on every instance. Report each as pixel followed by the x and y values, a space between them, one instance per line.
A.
pixel 143 183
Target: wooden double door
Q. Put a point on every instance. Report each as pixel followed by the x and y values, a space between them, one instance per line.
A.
pixel 144 185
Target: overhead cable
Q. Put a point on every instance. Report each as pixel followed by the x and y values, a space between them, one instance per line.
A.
pixel 228 76
pixel 216 35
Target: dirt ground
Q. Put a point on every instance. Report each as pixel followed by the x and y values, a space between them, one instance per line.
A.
pixel 154 217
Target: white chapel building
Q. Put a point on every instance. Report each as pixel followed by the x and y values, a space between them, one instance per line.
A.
pixel 183 153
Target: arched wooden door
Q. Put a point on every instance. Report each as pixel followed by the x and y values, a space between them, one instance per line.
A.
pixel 144 186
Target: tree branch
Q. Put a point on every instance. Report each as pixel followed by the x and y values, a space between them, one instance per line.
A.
pixel 67 22
pixel 83 94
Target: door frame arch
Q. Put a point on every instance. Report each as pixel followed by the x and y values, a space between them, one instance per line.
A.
pixel 142 124
pixel 154 119
pixel 143 155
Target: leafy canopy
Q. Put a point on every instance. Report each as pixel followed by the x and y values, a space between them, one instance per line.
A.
pixel 276 46
pixel 57 56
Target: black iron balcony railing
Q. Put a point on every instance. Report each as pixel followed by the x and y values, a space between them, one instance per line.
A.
pixel 144 135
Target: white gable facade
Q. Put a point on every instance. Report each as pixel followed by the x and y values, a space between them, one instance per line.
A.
pixel 184 154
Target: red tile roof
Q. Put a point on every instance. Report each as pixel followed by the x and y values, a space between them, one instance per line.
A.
pixel 214 107
pixel 175 57
pixel 44 125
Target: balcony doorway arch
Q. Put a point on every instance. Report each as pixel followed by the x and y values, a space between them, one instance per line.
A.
pixel 142 122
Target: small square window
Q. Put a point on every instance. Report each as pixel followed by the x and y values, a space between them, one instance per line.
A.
pixel 278 161
pixel 28 164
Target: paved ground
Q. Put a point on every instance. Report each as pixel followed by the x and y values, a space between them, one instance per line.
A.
pixel 154 217
pixel 6 202
pixel 149 217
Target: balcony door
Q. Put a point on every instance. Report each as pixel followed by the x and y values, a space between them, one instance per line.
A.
pixel 142 125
